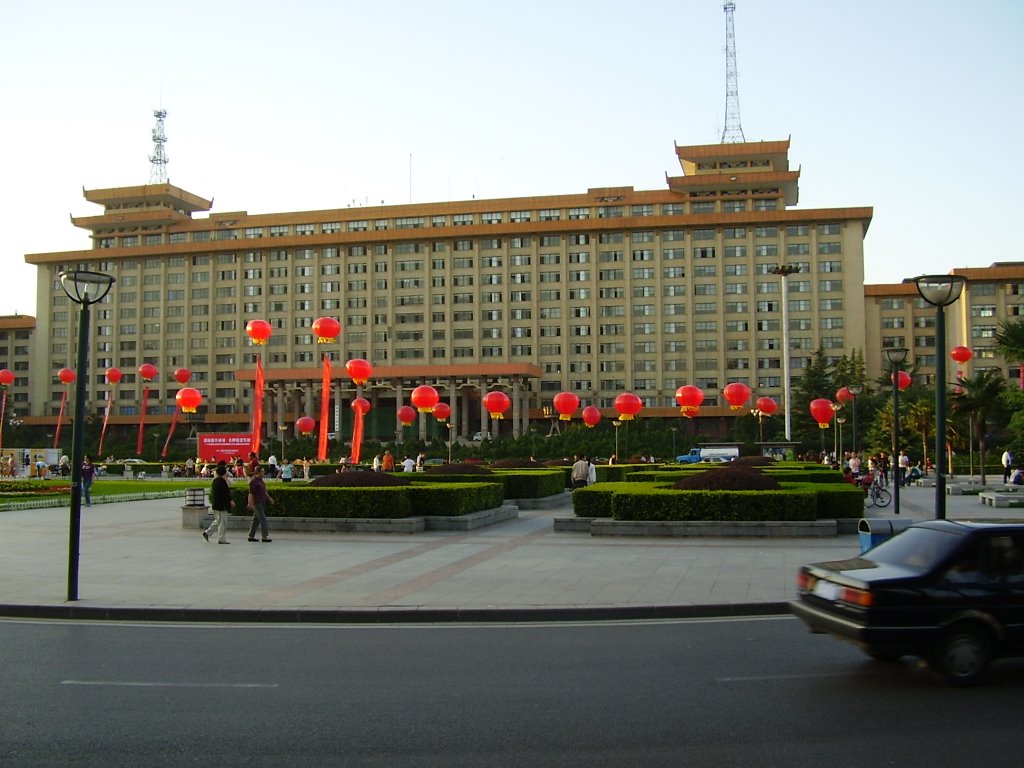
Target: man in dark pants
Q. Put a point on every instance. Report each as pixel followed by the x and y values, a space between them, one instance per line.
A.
pixel 258 500
pixel 220 500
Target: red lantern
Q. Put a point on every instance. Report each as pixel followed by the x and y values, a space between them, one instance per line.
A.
pixel 406 415
pixel 305 425
pixel 182 375
pixel 591 416
pixel 904 381
pixel 148 371
pixel 496 403
pixel 736 394
pixel 424 397
pixel 961 354
pixel 361 405
pixel 189 399
pixel 821 410
pixel 566 404
pixel 6 377
pixel 689 399
pixel 259 331
pixel 66 375
pixel 844 396
pixel 114 375
pixel 628 405
pixel 766 405
pixel 441 411
pixel 326 329
pixel 359 370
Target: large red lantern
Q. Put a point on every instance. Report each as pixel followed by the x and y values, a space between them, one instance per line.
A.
pixel 406 415
pixel 424 397
pixel 766 405
pixel 189 399
pixel 361 405
pixel 961 354
pixel 182 375
pixel 821 410
pixel 496 403
pixel 326 329
pixel 591 416
pixel 66 375
pixel 566 404
pixel 6 377
pixel 114 375
pixel 305 425
pixel 689 399
pixel 844 395
pixel 259 331
pixel 359 370
pixel 904 380
pixel 441 412
pixel 148 371
pixel 736 394
pixel 628 405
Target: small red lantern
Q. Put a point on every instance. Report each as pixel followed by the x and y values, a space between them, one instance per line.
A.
pixel 305 425
pixel 736 394
pixel 6 377
pixel 566 404
pixel 182 375
pixel 114 375
pixel 424 397
pixel 326 329
pixel 961 354
pixel 689 399
pixel 766 405
pixel 821 410
pixel 591 416
pixel 844 396
pixel 441 411
pixel 904 380
pixel 259 331
pixel 359 370
pixel 406 415
pixel 496 403
pixel 189 399
pixel 148 371
pixel 66 375
pixel 361 405
pixel 628 405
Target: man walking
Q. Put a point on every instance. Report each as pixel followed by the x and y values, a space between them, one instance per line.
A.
pixel 220 500
pixel 1007 464
pixel 258 500
pixel 580 472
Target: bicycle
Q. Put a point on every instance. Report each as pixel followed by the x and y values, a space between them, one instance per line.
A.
pixel 876 496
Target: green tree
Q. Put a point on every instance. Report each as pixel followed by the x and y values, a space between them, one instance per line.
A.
pixel 1010 340
pixel 918 419
pixel 816 382
pixel 978 399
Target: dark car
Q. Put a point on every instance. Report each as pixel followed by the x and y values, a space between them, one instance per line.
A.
pixel 949 592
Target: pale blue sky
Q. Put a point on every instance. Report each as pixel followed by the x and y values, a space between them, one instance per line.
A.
pixel 908 106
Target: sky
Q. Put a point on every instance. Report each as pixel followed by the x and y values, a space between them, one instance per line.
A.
pixel 314 105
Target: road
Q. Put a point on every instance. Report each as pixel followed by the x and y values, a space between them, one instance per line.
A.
pixel 758 691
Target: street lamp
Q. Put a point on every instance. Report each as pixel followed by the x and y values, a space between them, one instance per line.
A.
pixel 451 426
pixel 855 390
pixel 673 430
pixel 282 428
pixel 940 291
pixel 84 288
pixel 759 414
pixel 836 407
pixel 616 424
pixel 896 356
pixel 840 420
pixel 784 271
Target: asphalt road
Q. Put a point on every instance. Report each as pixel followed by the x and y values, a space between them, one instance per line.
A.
pixel 751 692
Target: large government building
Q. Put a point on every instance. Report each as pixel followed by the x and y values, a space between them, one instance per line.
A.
pixel 596 293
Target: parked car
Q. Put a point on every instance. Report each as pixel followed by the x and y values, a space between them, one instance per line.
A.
pixel 949 592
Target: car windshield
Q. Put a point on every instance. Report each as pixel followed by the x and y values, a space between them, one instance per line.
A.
pixel 917 549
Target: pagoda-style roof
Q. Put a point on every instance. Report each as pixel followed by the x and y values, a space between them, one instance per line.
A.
pixel 776 152
pixel 166 195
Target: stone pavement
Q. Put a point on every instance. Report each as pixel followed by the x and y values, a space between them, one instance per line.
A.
pixel 137 562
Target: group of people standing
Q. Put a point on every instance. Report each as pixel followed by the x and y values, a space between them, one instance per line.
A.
pixel 583 472
pixel 222 503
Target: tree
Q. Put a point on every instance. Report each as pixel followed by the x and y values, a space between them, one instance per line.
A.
pixel 1010 343
pixel 977 399
pixel 918 420
pixel 816 382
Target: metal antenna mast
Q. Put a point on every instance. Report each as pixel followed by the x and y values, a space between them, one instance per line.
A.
pixel 158 160
pixel 733 131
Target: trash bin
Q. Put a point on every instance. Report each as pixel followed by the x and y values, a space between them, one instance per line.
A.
pixel 195 497
pixel 874 530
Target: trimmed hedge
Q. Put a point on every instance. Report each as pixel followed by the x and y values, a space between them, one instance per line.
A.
pixel 516 483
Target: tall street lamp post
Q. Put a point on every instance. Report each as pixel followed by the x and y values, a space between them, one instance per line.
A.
pixel 451 427
pixel 896 357
pixel 855 390
pixel 282 428
pixel 836 407
pixel 83 288
pixel 616 424
pixel 940 291
pixel 784 271
pixel 839 453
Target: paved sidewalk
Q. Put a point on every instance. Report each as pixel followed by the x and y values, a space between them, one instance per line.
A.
pixel 137 562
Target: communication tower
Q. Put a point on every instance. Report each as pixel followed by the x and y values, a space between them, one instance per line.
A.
pixel 158 160
pixel 733 131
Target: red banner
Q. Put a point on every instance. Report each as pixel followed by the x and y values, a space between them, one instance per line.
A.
pixel 60 417
pixel 106 419
pixel 170 432
pixel 257 407
pixel 3 415
pixel 325 404
pixel 142 420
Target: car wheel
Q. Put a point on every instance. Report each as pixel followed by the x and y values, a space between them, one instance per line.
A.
pixel 963 654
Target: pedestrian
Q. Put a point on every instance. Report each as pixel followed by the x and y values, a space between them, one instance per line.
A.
pixel 903 462
pixel 408 464
pixel 88 473
pixel 272 466
pixel 376 463
pixel 387 463
pixel 286 470
pixel 1007 464
pixel 221 501
pixel 254 461
pixel 591 472
pixel 422 457
pixel 258 500
pixel 580 472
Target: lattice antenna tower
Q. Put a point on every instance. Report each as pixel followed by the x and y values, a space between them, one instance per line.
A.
pixel 733 131
pixel 158 160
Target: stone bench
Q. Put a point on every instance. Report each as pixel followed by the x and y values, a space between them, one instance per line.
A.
pixel 993 499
